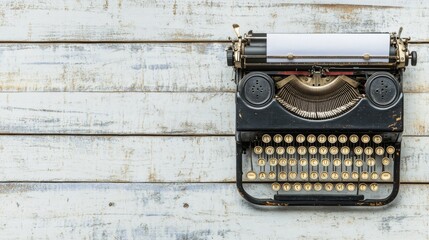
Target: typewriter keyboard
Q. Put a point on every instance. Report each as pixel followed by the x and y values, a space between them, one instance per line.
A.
pixel 319 163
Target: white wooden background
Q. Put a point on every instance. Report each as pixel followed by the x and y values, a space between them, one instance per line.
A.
pixel 117 121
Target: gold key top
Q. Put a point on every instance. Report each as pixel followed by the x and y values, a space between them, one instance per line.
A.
pixel 269 150
pixel 314 175
pixel 258 150
pixel 276 186
pixel 321 138
pixel 311 138
pixel 278 138
pixel 317 187
pixel 354 138
pixel 261 162
pixel 358 150
pixel 273 162
pixel 297 187
pixel 288 138
pixel 312 150
pixel 286 187
pixel 271 175
pixel 282 175
pixel 303 175
pixel 332 139
pixel 262 175
pixel 339 187
pixel 300 138
pixel 282 162
pixel 348 162
pixel 379 151
pixel 345 150
pixel 251 175
pixel 307 186
pixel 292 162
pixel 280 150
pixel 368 151
pixel 365 138
pixel 323 150
pixel 336 162
pixel 373 187
pixel 333 150
pixel 385 161
pixel 377 139
pixel 314 162
pixel 385 176
pixel 266 138
pixel 290 150
pixel 362 187
pixel 302 150
pixel 342 138
pixel 345 175
pixel 329 187
pixel 292 175
pixel 390 150
pixel 351 187
pixel 355 175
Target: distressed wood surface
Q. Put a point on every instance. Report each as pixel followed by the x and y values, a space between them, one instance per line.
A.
pixel 148 159
pixel 195 20
pixel 183 67
pixel 165 113
pixel 195 211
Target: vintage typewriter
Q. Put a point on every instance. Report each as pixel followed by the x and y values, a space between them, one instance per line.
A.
pixel 319 117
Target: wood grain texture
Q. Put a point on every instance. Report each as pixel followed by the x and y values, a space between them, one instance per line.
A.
pixel 165 113
pixel 182 67
pixel 165 67
pixel 194 20
pixel 148 159
pixel 195 211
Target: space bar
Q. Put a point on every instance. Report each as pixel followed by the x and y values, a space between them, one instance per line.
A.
pixel 318 198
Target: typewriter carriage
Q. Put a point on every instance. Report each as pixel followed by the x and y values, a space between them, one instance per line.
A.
pixel 318 98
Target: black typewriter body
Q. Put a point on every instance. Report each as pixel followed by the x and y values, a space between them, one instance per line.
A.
pixel 315 132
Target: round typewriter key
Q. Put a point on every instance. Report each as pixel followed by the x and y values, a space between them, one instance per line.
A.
pixel 321 138
pixel 311 138
pixel 379 151
pixel 385 176
pixel 355 175
pixel 332 139
pixel 314 162
pixel 317 187
pixel 325 162
pixel 373 187
pixel 324 175
pixel 302 150
pixel 282 162
pixel 358 150
pixel 345 175
pixel 351 187
pixel 258 150
pixel 339 187
pixel 323 150
pixel 314 175
pixel 273 161
pixel 329 187
pixel 368 151
pixel 292 162
pixel 385 161
pixel 335 175
pixel 288 138
pixel 333 150
pixel 251 175
pixel 286 187
pixel 336 162
pixel 276 186
pixel 362 187
pixel 342 138
pixel 292 175
pixel 374 176
pixel 348 162
pixel 377 139
pixel 345 150
pixel 303 162
pixel 390 150
pixel 261 162
pixel 312 150
pixel 354 138
pixel 364 175
pixel 290 150
pixel 307 187
pixel 365 138
pixel 280 150
pixel 266 138
pixel 262 175
pixel 269 150
pixel 358 163
pixel 278 138
pixel 282 175
pixel 300 138
pixel 297 187
pixel 370 162
pixel 303 175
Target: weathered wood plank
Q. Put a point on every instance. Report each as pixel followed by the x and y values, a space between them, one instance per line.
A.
pixel 210 20
pixel 196 67
pixel 115 67
pixel 144 113
pixel 147 159
pixel 195 211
